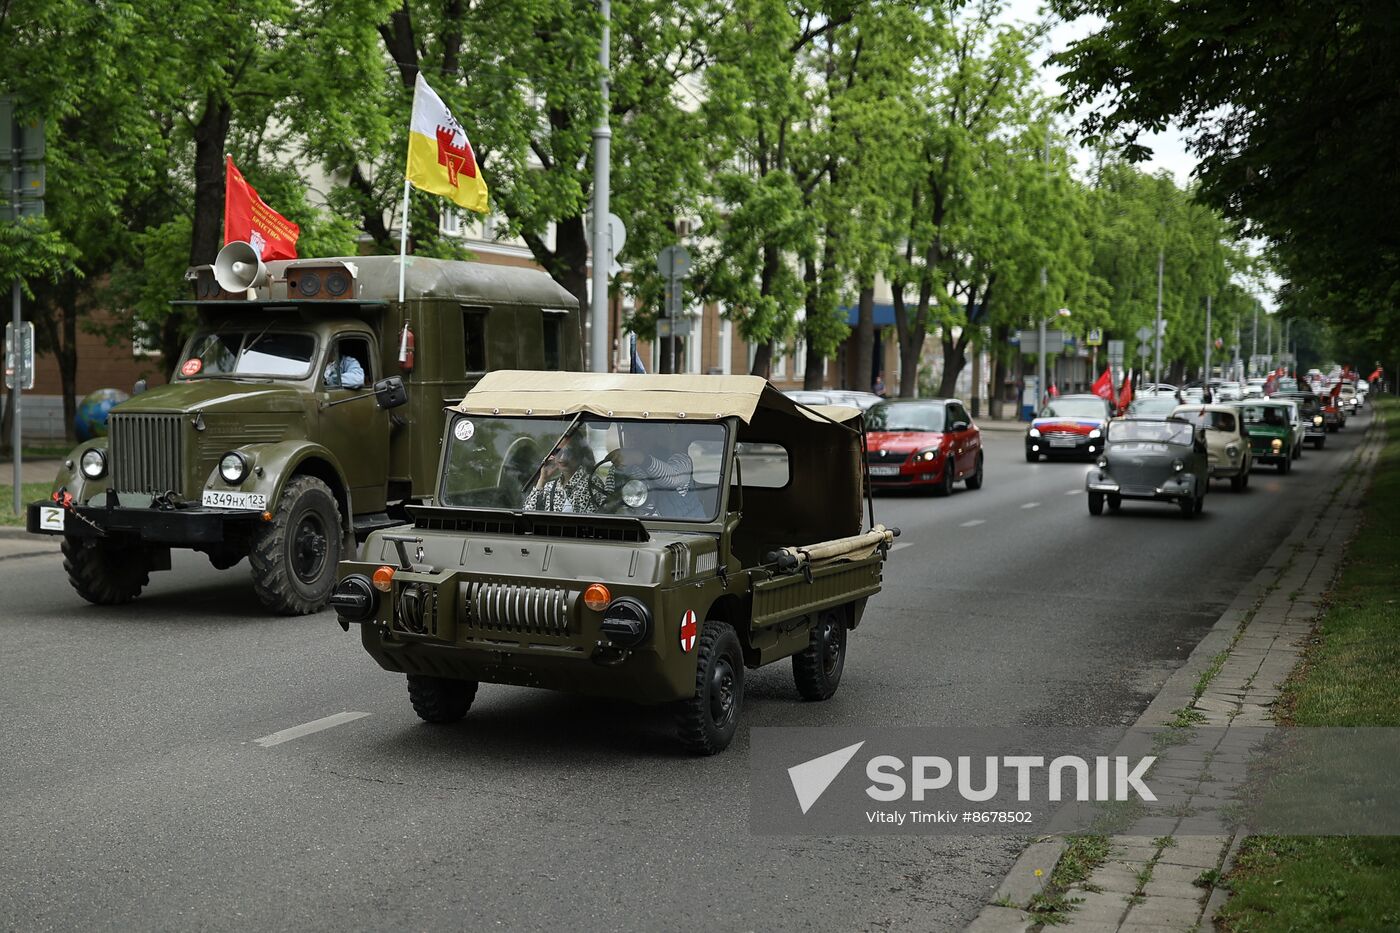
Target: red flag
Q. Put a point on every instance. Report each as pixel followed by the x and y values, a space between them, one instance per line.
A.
pixel 1125 394
pixel 247 218
pixel 1103 386
pixel 1374 376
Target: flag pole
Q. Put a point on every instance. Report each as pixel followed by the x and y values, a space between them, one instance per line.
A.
pixel 403 238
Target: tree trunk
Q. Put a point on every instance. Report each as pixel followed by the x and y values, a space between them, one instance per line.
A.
pixel 976 393
pixel 954 359
pixel 1001 333
pixel 865 338
pixel 762 359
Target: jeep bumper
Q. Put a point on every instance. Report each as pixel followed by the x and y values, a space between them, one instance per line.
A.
pixel 175 527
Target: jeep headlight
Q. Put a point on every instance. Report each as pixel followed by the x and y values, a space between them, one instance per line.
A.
pixel 1178 466
pixel 634 493
pixel 1095 433
pixel 1317 420
pixel 1035 432
pixel 94 463
pixel 233 467
pixel 1276 444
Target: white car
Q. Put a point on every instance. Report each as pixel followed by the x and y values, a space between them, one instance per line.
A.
pixel 1227 445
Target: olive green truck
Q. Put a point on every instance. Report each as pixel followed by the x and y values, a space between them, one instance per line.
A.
pixel 304 412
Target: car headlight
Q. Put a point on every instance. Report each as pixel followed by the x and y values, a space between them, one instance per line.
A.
pixel 93 463
pixel 634 493
pixel 1232 451
pixel 930 454
pixel 1178 465
pixel 233 467
pixel 1276 444
pixel 1095 433
pixel 1103 463
pixel 1035 432
pixel 1317 420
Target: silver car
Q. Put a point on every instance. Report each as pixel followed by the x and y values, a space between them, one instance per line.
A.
pixel 1164 460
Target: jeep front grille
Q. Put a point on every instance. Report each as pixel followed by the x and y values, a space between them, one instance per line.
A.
pixel 146 453
pixel 525 609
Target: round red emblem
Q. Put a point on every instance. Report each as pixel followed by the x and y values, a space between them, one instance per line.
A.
pixel 190 367
pixel 688 630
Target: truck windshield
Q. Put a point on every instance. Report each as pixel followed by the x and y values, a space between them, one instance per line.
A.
pixel 249 353
pixel 655 470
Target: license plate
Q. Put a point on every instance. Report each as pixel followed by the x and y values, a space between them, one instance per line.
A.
pixel 1063 442
pixel 213 498
pixel 884 471
pixel 50 518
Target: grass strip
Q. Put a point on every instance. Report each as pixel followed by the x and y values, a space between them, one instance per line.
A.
pixel 28 492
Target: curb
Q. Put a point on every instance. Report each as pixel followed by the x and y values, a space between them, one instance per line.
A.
pixel 1179 691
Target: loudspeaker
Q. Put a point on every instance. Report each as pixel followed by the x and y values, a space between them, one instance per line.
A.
pixel 238 268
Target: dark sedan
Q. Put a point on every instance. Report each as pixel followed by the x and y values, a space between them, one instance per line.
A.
pixel 1069 425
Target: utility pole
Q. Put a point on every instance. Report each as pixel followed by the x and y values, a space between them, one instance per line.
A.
pixel 1157 328
pixel 1044 301
pixel 1206 379
pixel 600 343
pixel 1254 342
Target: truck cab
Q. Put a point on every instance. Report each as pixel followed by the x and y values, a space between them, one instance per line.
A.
pixel 303 413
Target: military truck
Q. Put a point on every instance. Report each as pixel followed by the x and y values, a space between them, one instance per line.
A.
pixel 305 410
pixel 646 537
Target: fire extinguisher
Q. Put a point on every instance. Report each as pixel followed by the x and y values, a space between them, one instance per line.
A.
pixel 406 349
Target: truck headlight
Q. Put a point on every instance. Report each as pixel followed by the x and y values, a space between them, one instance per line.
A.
pixel 634 493
pixel 1276 444
pixel 233 467
pixel 94 464
pixel 1178 465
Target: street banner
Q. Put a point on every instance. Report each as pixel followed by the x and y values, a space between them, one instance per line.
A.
pixel 248 219
pixel 440 159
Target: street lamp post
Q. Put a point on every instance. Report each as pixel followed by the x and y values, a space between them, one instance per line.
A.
pixel 600 343
pixel 1042 389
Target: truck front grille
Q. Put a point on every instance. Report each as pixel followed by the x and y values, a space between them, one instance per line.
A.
pixel 506 607
pixel 146 452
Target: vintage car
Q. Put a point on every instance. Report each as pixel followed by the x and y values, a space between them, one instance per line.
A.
pixel 1270 432
pixel 1298 432
pixel 1152 407
pixel 1163 460
pixel 927 443
pixel 645 537
pixel 1311 413
pixel 1227 446
pixel 1069 425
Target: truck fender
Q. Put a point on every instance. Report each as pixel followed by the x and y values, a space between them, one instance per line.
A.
pixel 271 466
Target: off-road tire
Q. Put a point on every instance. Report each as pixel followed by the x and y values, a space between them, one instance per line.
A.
pixel 974 481
pixel 817 668
pixel 945 482
pixel 1095 503
pixel 440 699
pixel 284 547
pixel 717 652
pixel 103 574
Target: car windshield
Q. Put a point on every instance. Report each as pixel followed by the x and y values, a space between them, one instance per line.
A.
pixel 1154 432
pixel 1152 405
pixel 1270 415
pixel 1215 420
pixel 1073 408
pixel 903 416
pixel 654 470
pixel 249 353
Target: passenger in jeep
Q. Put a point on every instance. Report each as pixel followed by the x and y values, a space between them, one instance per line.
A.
pixel 565 482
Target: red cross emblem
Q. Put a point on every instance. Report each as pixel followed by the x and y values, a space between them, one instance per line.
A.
pixel 688 630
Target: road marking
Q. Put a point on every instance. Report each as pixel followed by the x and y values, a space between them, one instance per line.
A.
pixel 1031 505
pixel 1073 492
pixel 901 546
pixel 306 728
pixel 975 521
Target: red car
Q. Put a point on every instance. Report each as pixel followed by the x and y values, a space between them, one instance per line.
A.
pixel 927 442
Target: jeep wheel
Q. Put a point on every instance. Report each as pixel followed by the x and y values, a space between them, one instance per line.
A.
pixel 707 721
pixel 440 699
pixel 975 480
pixel 817 669
pixel 103 574
pixel 294 556
pixel 1095 503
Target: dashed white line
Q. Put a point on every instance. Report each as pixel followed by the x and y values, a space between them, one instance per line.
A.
pixel 901 546
pixel 975 521
pixel 1031 505
pixel 306 728
pixel 1073 492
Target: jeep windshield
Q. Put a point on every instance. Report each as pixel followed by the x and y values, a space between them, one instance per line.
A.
pixel 655 470
pixel 268 354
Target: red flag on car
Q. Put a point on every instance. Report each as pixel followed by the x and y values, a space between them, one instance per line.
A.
pixel 1103 386
pixel 247 218
pixel 1125 394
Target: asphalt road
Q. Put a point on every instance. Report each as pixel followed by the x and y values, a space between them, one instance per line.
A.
pixel 133 794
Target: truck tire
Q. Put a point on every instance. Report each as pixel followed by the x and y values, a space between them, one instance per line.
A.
pixel 817 668
pixel 105 575
pixel 440 699
pixel 707 720
pixel 294 556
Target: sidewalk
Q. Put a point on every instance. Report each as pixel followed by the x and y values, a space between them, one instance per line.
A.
pixel 987 423
pixel 35 471
pixel 1153 879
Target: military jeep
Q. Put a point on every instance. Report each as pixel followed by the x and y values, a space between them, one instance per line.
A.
pixel 305 411
pixel 708 525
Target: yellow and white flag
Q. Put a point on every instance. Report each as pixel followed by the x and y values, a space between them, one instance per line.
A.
pixel 440 159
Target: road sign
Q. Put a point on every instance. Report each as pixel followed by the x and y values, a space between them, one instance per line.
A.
pixel 19 370
pixel 674 262
pixel 31 179
pixel 673 327
pixel 1144 333
pixel 31 133
pixel 1030 341
pixel 1094 338
pixel 1144 350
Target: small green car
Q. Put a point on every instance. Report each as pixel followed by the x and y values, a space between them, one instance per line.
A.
pixel 1272 438
pixel 646 537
